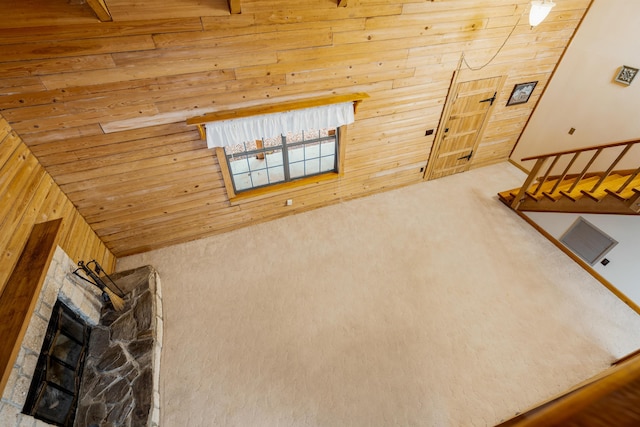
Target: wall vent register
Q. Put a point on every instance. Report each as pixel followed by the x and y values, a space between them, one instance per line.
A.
pixel 587 241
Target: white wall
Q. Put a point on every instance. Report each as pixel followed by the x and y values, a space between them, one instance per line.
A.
pixel 582 93
pixel 622 271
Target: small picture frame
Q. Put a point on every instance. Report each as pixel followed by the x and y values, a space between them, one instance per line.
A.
pixel 625 75
pixel 521 93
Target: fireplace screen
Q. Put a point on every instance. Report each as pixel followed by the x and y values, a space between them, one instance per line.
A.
pixel 54 389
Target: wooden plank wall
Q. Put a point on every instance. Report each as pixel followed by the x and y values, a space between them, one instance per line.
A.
pixel 103 106
pixel 30 196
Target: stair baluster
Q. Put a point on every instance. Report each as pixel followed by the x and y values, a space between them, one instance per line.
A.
pixel 568 188
pixel 527 183
pixel 565 172
pixel 546 175
pixel 628 181
pixel 586 168
pixel 613 165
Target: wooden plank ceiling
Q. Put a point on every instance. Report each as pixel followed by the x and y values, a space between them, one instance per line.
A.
pixel 103 105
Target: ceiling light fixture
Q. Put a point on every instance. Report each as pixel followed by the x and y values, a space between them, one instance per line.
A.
pixel 539 10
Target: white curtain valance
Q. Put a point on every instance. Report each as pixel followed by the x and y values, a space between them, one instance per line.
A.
pixel 224 133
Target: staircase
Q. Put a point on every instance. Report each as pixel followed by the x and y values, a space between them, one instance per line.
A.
pixel 610 191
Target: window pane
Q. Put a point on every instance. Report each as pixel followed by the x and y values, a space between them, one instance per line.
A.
pixel 259 163
pixel 312 167
pixel 275 141
pixel 296 169
pixel 250 171
pixel 274 158
pixel 296 154
pixel 328 163
pixel 276 174
pixel 239 164
pixel 260 178
pixel 242 181
pixel 274 165
pixel 313 155
pixel 328 156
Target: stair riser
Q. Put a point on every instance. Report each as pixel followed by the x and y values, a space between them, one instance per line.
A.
pixel 585 205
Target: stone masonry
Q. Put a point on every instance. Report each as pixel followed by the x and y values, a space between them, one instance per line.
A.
pixel 124 350
pixel 119 388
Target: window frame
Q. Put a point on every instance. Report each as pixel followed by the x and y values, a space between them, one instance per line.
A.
pixel 287 185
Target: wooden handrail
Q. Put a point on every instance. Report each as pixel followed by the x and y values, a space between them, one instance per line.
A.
pixel 546 171
pixel 607 399
pixel 580 150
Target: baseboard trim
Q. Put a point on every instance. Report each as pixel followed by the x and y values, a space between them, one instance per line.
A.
pixel 581 263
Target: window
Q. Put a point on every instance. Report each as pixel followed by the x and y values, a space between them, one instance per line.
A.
pixel 292 159
pixel 284 158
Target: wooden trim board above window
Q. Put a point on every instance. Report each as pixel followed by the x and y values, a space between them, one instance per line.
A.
pixel 279 107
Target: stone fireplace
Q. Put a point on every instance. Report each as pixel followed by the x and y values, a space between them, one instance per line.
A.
pixel 119 384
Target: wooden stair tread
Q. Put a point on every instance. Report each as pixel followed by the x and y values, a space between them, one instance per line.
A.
pixel 561 191
pixel 612 182
pixel 627 202
pixel 509 195
pixel 632 190
pixel 583 187
pixel 548 185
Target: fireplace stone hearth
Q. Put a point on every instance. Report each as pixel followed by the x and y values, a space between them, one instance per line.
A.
pixel 120 383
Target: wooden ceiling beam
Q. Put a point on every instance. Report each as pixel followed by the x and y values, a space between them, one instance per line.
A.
pixel 99 7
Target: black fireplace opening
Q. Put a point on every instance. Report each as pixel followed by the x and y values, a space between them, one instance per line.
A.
pixel 53 394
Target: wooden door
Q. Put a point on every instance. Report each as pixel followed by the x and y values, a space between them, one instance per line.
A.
pixel 465 117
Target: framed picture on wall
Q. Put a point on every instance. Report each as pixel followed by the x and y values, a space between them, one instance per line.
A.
pixel 625 75
pixel 521 93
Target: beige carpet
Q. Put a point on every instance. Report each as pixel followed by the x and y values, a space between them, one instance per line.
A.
pixel 432 305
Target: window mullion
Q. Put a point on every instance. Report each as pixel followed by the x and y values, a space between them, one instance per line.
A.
pixel 248 164
pixel 285 159
pixel 336 149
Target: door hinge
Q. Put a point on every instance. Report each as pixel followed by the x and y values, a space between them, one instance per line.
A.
pixel 468 156
pixel 490 100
